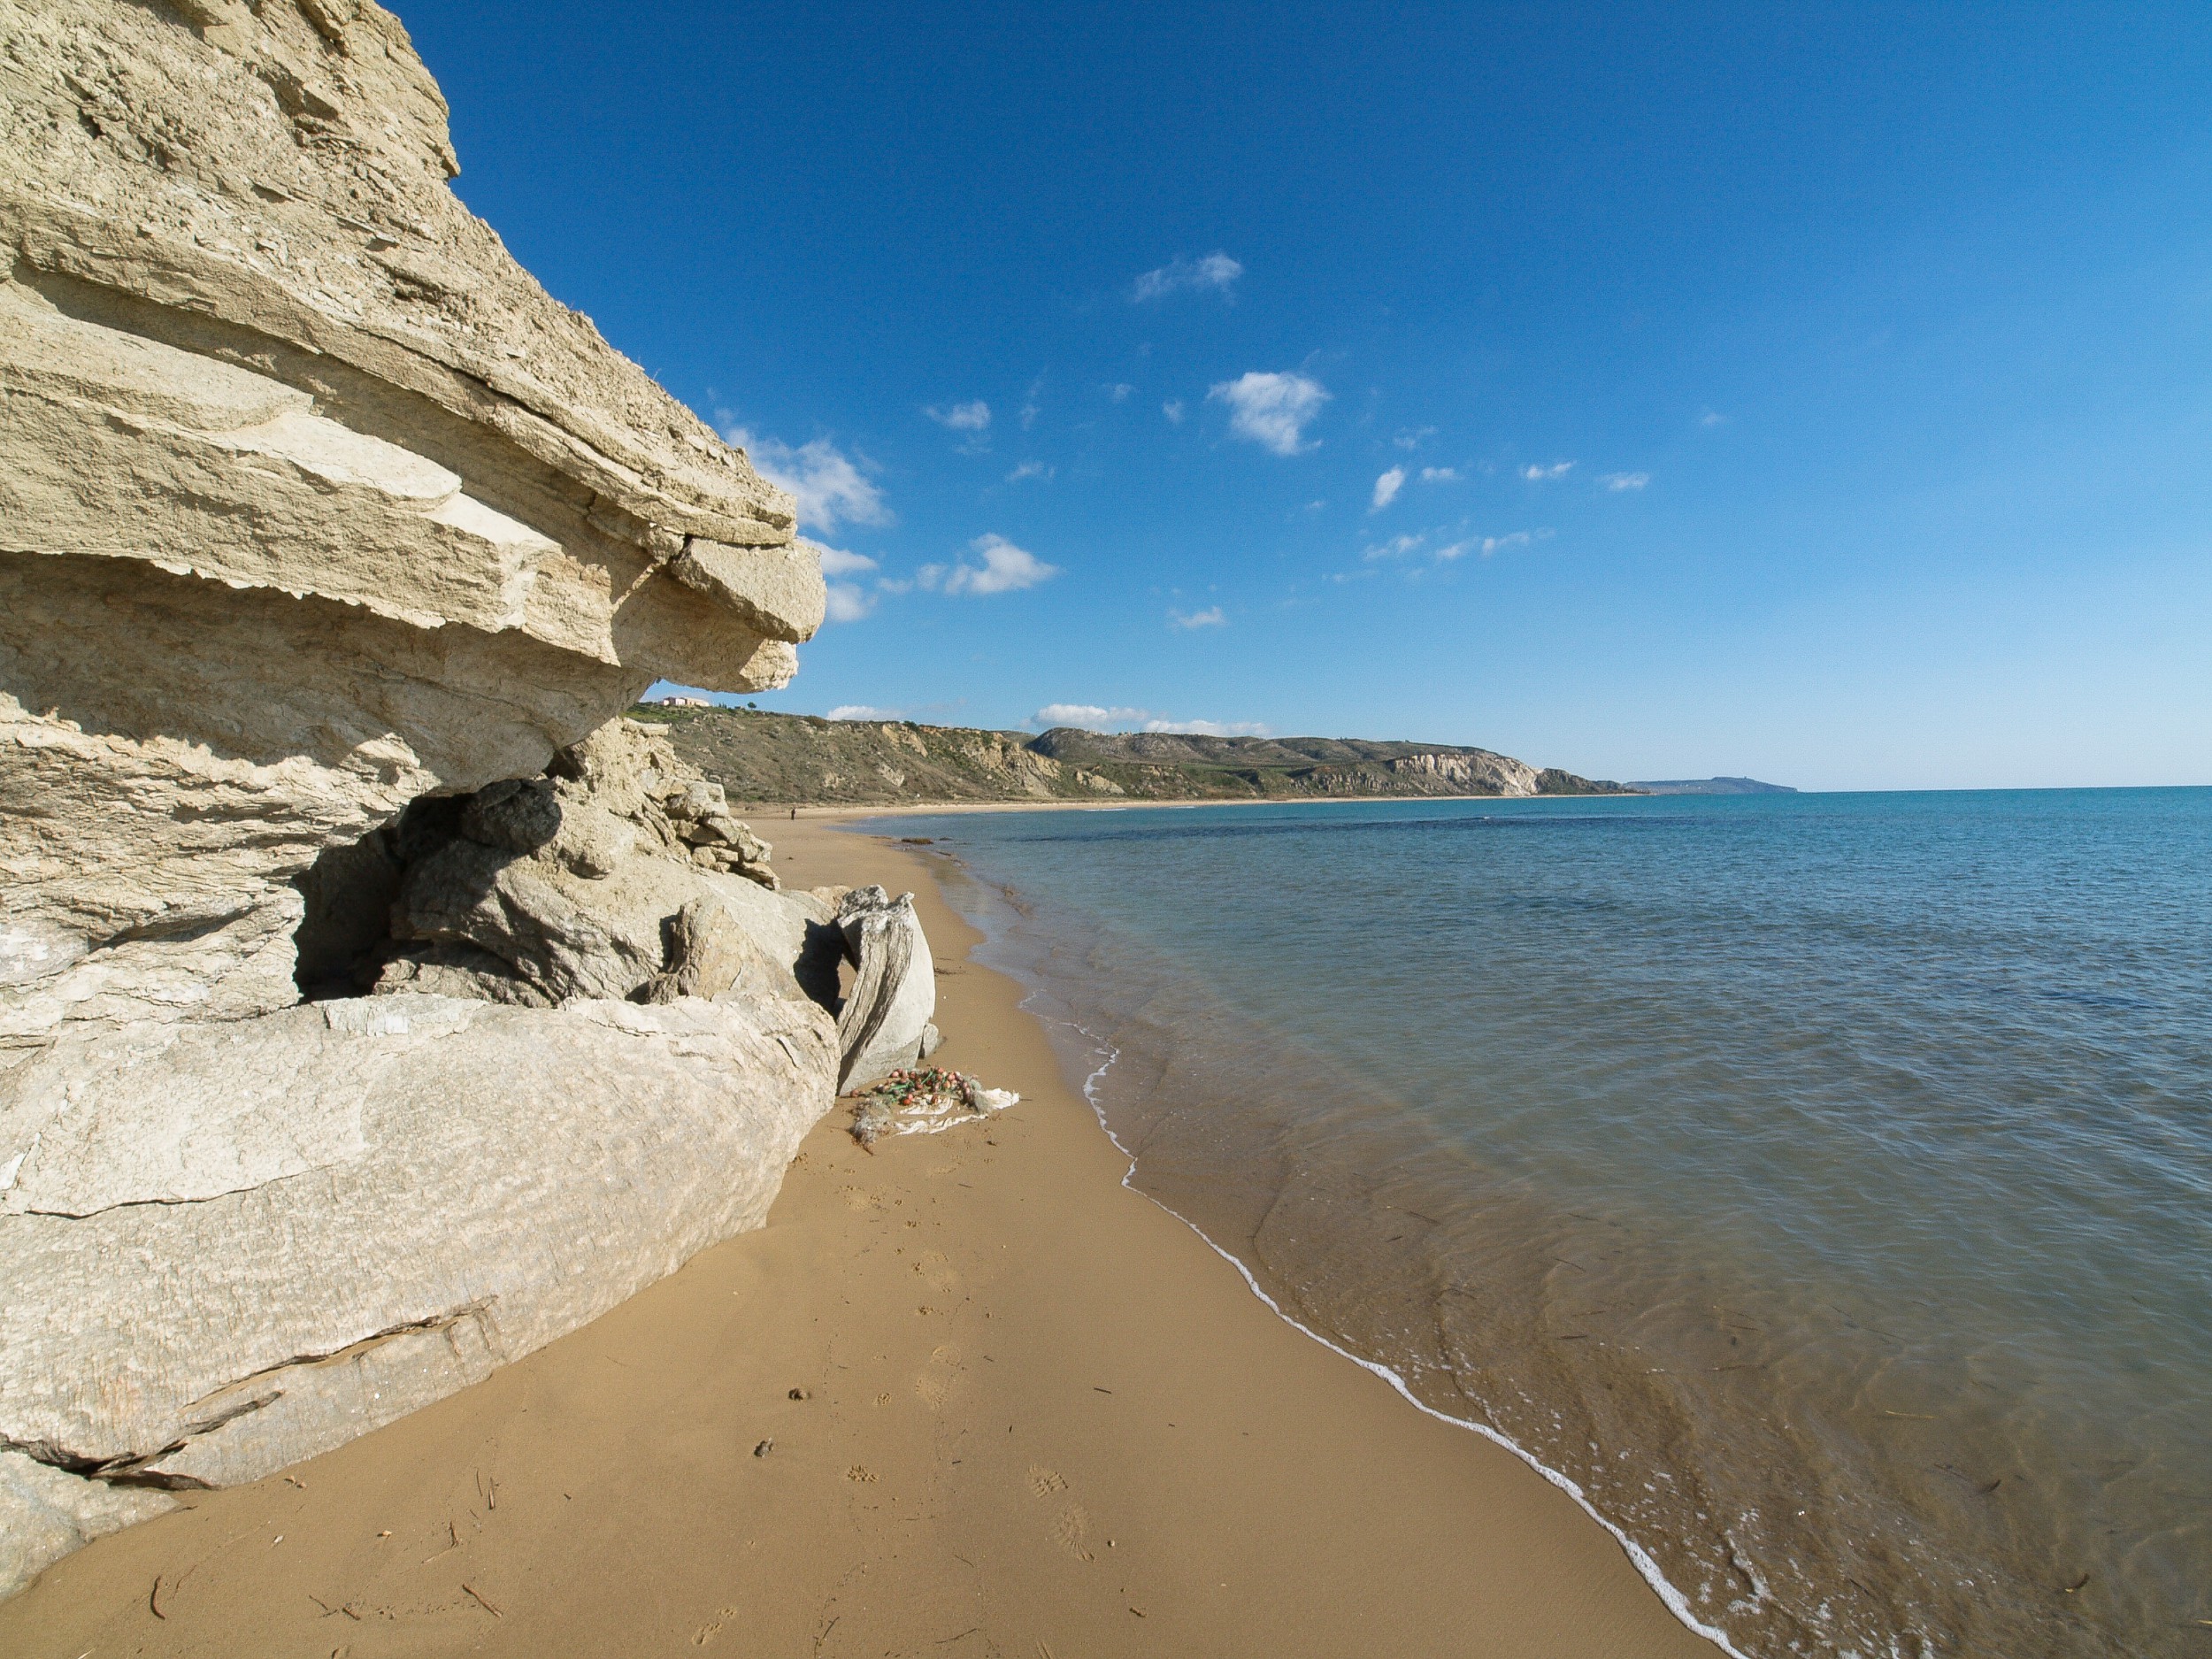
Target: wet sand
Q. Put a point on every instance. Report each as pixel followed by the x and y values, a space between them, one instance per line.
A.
pixel 963 1395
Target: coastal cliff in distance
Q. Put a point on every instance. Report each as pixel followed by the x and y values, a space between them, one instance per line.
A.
pixel 803 760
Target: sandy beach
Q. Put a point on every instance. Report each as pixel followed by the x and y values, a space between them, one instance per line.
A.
pixel 964 1393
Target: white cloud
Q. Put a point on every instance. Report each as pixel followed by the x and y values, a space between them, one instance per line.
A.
pixel 1396 547
pixel 1005 569
pixel 1412 437
pixel 1212 616
pixel 1119 392
pixel 1215 271
pixel 1543 474
pixel 1209 728
pixel 1712 417
pixel 1387 488
pixel 972 417
pixel 847 602
pixel 1174 409
pixel 1087 716
pixel 1028 469
pixel 1619 481
pixel 864 712
pixel 1271 410
pixel 828 485
pixel 1439 475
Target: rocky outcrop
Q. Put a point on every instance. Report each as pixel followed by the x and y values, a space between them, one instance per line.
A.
pixel 311 500
pixel 574 884
pixel 330 545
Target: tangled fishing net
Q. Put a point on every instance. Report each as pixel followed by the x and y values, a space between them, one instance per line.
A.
pixel 922 1103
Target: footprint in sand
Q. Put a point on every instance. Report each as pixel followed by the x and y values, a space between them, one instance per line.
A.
pixel 712 1628
pixel 935 1383
pixel 1070 1525
pixel 1069 1529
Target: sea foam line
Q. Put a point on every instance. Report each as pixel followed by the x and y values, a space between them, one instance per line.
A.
pixel 1675 1601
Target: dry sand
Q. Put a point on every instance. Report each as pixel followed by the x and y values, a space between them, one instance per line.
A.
pixel 965 1396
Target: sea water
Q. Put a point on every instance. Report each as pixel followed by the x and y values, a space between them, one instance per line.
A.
pixel 1821 1186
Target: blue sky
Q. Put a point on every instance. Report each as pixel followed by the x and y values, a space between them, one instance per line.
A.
pixel 1821 392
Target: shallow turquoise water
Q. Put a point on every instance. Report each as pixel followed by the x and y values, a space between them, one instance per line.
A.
pixel 1820 1182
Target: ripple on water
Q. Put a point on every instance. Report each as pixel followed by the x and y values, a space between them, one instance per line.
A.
pixel 1818 1183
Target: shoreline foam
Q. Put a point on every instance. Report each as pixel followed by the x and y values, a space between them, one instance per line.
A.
pixel 1645 1567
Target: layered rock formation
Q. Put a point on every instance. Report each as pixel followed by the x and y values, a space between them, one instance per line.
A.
pixel 323 531
pixel 311 500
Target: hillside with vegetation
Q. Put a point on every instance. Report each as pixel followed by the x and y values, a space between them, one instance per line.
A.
pixel 803 760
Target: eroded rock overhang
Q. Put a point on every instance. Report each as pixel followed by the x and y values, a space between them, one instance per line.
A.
pixel 312 500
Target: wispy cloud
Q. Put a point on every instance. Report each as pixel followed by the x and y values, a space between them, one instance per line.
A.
pixel 1210 728
pixel 1272 411
pixel 1216 271
pixel 1619 481
pixel 864 712
pixel 1031 407
pixel 1028 469
pixel 1413 437
pixel 1005 569
pixel 1174 409
pixel 1212 616
pixel 829 486
pixel 1712 417
pixel 1091 716
pixel 969 416
pixel 1396 547
pixel 1439 475
pixel 1544 474
pixel 1484 546
pixel 1441 552
pixel 1387 488
pixel 1119 391
pixel 837 562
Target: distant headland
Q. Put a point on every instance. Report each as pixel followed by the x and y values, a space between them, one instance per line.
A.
pixel 1710 785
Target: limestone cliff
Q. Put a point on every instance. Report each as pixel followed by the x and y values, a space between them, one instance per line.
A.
pixel 324 531
pixel 311 500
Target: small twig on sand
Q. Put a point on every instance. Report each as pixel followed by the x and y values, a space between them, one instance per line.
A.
pixel 153 1598
pixel 481 1602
